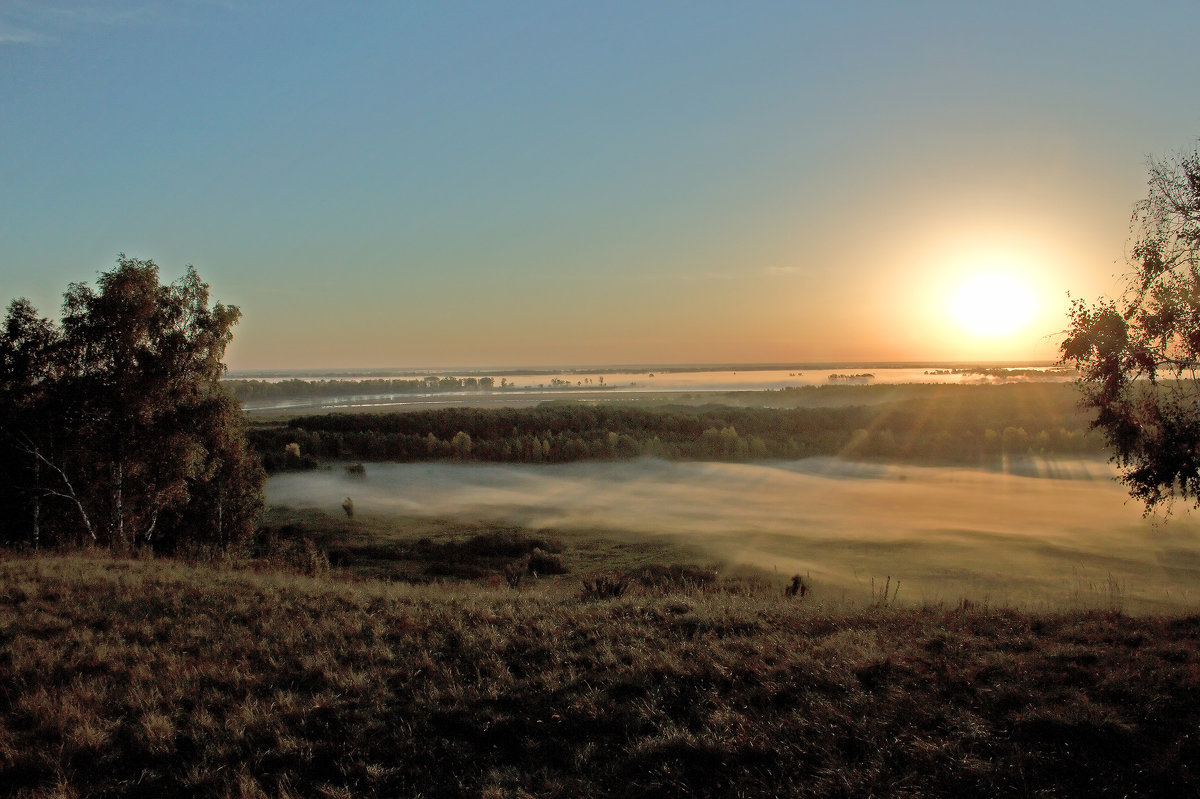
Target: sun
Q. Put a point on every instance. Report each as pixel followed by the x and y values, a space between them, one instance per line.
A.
pixel 992 304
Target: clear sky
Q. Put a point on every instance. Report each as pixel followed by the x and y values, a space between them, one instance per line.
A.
pixel 506 183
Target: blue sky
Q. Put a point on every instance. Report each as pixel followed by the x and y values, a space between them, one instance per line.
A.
pixel 417 184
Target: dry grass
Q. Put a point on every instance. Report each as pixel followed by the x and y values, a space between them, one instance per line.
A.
pixel 417 550
pixel 153 678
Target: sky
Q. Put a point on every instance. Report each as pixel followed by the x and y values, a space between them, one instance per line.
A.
pixel 567 183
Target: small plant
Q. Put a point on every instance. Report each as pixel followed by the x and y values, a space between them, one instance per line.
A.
pixel 798 587
pixel 289 550
pixel 605 586
pixel 311 559
pixel 515 572
pixel 543 562
pixel 886 595
pixel 1115 589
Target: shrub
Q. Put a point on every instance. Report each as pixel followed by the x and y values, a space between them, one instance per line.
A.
pixel 799 587
pixel 289 550
pixel 542 562
pixel 605 586
pixel 515 572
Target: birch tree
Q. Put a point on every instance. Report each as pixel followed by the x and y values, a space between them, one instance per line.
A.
pixel 123 414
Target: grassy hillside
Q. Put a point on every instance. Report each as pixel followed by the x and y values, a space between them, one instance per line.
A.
pixel 154 678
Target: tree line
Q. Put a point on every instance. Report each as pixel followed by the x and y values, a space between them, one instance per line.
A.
pixel 962 425
pixel 253 390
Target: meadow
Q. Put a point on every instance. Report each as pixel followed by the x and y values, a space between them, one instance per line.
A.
pixel 153 678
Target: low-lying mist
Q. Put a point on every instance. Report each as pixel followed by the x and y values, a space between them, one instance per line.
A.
pixel 1043 533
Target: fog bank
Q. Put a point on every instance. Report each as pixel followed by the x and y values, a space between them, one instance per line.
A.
pixel 1043 533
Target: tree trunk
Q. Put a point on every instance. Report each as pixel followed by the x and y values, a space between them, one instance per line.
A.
pixel 118 505
pixel 153 521
pixel 37 503
pixel 66 481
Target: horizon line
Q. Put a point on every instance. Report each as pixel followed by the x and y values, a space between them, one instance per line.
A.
pixel 719 366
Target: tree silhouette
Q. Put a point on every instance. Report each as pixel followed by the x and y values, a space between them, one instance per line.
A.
pixel 1138 356
pixel 115 422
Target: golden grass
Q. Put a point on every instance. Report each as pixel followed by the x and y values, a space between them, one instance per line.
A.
pixel 155 678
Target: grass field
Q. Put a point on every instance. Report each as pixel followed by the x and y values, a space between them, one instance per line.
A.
pixel 156 678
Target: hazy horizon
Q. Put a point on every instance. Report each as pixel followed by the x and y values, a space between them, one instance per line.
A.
pixel 583 368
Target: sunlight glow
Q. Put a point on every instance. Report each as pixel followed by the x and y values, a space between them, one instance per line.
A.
pixel 992 304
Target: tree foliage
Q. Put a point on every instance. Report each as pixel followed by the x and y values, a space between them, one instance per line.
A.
pixel 1138 356
pixel 114 425
pixel 922 424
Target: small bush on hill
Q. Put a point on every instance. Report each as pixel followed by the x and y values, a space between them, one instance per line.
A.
pixel 542 562
pixel 604 586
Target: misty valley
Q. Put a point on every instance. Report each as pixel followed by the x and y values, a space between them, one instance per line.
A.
pixel 992 494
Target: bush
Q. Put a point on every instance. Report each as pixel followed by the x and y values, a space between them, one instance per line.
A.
pixel 288 549
pixel 605 586
pixel 542 562
pixel 515 572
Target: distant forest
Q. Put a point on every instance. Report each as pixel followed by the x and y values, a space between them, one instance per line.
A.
pixel 955 424
pixel 260 390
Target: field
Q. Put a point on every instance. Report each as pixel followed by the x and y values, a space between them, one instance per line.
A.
pixel 153 678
